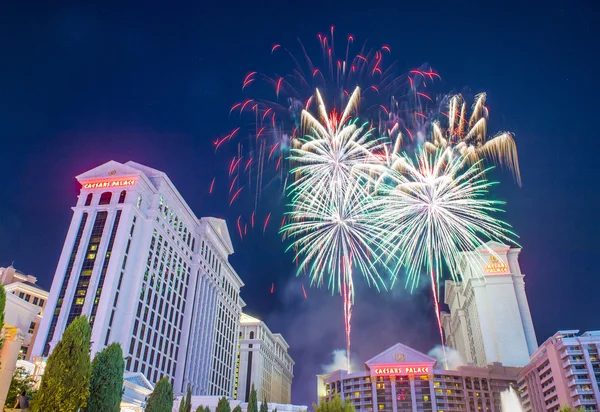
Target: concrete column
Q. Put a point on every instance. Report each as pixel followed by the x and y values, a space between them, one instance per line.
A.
pixel 13 339
pixel 393 383
pixel 413 395
pixel 374 392
pixel 432 391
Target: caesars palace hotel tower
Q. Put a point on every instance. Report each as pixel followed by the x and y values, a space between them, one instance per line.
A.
pixel 489 320
pixel 151 276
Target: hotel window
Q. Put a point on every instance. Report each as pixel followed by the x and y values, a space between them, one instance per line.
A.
pixel 139 201
pixel 88 199
pixel 122 196
pixel 105 198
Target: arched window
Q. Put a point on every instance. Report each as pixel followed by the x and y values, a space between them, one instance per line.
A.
pixel 88 199
pixel 139 201
pixel 105 198
pixel 193 243
pixel 251 335
pixel 122 196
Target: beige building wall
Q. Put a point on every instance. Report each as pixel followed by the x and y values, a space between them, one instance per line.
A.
pixel 25 287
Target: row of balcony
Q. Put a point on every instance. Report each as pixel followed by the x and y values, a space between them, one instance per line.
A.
pixel 572 362
pixel 581 391
pixel 584 401
pixel 571 352
pixel 579 381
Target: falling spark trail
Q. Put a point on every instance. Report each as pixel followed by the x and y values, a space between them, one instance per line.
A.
pixel 238 226
pixel 266 223
pixel 235 195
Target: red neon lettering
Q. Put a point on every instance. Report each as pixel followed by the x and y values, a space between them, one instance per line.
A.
pixel 402 371
pixel 109 183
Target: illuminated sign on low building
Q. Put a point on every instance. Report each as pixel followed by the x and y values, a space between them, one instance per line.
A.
pixel 108 184
pixel 496 266
pixel 404 370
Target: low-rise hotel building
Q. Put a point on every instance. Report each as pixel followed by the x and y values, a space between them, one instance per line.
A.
pixel 564 371
pixel 402 379
pixel 25 287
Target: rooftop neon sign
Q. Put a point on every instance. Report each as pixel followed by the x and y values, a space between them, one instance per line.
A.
pixel 103 184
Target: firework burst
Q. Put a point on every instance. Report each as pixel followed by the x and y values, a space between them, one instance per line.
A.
pixel 331 222
pixel 436 209
pixel 334 235
pixel 450 126
pixel 335 150
pixel 333 232
pixel 273 119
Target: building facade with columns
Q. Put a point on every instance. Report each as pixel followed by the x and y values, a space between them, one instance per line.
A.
pixel 25 287
pixel 489 319
pixel 402 379
pixel 262 361
pixel 151 276
pixel 18 315
pixel 564 371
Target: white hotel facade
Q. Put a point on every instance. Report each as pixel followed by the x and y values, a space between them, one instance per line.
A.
pixel 489 319
pixel 150 275
pixel 263 361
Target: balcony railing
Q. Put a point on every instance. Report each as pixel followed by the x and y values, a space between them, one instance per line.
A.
pixel 581 402
pixel 570 352
pixel 579 391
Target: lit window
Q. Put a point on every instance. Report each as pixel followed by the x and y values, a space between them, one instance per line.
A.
pixel 79 301
pixel 91 255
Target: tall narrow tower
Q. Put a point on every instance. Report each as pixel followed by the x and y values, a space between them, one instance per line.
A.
pixel 489 319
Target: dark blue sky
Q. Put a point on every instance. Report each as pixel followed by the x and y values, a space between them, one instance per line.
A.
pixel 83 84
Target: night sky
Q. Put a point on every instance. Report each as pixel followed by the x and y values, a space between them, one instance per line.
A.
pixel 81 85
